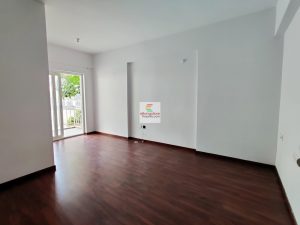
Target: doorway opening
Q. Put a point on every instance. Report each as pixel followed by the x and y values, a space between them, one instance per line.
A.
pixel 67 104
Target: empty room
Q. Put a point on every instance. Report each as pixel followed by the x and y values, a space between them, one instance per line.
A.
pixel 161 112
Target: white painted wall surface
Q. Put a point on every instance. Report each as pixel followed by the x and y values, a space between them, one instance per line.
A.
pixel 65 59
pixel 173 83
pixel 281 8
pixel 241 53
pixel 239 89
pixel 290 117
pixel 111 112
pixel 25 128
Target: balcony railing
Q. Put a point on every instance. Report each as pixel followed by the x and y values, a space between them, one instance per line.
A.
pixel 72 117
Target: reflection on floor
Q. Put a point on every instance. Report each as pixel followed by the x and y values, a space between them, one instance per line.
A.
pixel 112 181
pixel 72 132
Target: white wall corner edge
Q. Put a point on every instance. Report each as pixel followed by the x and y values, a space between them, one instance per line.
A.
pixel 287 18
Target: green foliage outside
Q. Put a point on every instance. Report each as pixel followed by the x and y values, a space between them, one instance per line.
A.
pixel 70 86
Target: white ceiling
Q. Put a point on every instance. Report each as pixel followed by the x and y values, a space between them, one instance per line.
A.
pixel 103 25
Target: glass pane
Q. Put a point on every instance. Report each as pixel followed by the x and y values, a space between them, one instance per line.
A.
pixel 72 104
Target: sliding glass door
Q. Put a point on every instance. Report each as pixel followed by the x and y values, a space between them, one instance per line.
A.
pixel 67 104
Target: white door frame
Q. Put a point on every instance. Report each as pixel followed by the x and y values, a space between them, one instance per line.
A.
pixel 54 99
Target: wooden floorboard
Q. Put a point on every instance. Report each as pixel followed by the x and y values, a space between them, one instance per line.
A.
pixel 107 180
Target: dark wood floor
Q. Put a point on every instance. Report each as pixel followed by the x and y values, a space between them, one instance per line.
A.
pixel 107 180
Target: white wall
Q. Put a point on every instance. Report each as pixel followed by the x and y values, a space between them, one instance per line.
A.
pixel 239 62
pixel 286 10
pixel 65 59
pixel 289 123
pixel 239 89
pixel 281 8
pixel 110 79
pixel 25 128
pixel 165 79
